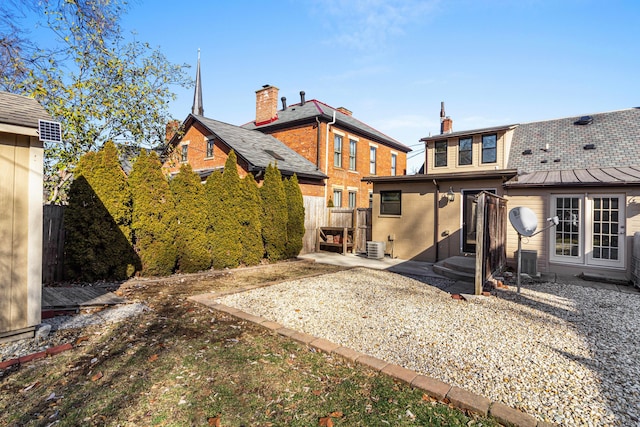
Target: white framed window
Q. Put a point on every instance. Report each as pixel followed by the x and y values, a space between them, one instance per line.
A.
pixel 337 197
pixel 337 151
pixel 184 155
pixel 372 159
pixel 210 145
pixel 394 163
pixel 353 146
pixel 353 199
pixel 591 229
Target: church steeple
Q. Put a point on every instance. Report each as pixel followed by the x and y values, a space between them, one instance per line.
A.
pixel 197 108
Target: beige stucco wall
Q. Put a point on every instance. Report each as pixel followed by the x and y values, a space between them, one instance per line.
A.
pixel 21 160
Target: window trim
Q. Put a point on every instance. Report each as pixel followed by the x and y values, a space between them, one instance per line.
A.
pixel 353 152
pixel 439 154
pixel 211 142
pixel 337 150
pixel 390 209
pixel 335 200
pixel 394 164
pixel 373 159
pixel 486 150
pixel 350 194
pixel 470 150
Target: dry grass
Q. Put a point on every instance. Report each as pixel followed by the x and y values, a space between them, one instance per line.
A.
pixel 182 364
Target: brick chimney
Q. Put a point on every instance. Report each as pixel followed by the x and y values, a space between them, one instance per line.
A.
pixel 344 111
pixel 446 124
pixel 266 105
pixel 171 129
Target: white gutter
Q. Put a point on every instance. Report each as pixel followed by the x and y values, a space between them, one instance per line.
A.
pixel 326 157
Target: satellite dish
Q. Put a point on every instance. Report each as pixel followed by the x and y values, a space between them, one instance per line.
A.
pixel 524 220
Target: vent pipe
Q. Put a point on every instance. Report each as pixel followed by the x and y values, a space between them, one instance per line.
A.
pixel 284 103
pixel 302 97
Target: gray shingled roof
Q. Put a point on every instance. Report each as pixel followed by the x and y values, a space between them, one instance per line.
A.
pixel 615 136
pixel 303 113
pixel 252 146
pixel 21 111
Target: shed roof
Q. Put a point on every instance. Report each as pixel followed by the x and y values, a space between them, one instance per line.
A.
pixel 21 111
pixel 300 113
pixel 257 149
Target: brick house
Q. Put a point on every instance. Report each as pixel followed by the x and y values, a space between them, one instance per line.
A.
pixel 583 169
pixel 339 145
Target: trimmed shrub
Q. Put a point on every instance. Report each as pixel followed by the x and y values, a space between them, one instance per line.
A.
pixel 295 219
pixel 225 205
pixel 250 223
pixel 192 247
pixel 274 214
pixel 98 220
pixel 153 216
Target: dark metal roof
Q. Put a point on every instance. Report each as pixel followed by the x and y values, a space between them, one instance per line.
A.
pixel 21 111
pixel 467 132
pixel 256 148
pixel 578 177
pixel 615 137
pixel 298 113
pixel 458 176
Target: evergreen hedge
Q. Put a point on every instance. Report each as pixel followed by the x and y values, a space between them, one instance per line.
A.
pixel 274 215
pixel 98 220
pixel 153 217
pixel 250 222
pixel 192 247
pixel 295 219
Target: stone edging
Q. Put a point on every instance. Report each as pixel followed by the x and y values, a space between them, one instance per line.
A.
pixel 51 351
pixel 434 388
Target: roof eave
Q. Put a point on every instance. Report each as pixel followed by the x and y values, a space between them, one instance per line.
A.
pixel 502 174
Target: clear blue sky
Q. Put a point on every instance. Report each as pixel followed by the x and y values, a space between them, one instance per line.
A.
pixel 392 62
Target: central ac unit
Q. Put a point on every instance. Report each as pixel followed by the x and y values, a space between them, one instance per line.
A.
pixel 375 250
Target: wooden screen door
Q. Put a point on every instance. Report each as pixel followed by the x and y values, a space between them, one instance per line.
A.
pixel 469 219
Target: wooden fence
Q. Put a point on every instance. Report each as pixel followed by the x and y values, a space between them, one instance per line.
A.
pixel 52 243
pixel 491 252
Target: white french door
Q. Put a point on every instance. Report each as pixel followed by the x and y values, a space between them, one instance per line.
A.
pixel 591 229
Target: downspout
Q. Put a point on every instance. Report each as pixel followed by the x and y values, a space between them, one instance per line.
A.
pixel 436 208
pixel 326 159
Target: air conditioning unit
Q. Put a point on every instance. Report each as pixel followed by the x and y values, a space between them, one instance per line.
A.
pixel 375 250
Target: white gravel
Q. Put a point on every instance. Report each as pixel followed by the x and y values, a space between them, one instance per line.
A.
pixel 565 354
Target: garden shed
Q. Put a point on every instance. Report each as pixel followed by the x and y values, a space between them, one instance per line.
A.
pixel 21 189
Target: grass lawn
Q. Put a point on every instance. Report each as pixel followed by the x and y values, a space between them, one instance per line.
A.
pixel 182 364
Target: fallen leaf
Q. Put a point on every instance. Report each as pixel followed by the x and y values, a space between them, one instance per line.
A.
pixel 81 340
pixel 153 357
pixel 317 392
pixel 96 377
pixel 325 422
pixel 215 421
pixel 336 414
pixel 35 384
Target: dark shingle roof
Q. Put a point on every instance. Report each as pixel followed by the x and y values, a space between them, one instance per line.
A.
pixel 21 111
pixel 578 177
pixel 615 137
pixel 298 113
pixel 260 150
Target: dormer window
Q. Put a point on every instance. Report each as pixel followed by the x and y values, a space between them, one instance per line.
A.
pixel 441 154
pixel 489 148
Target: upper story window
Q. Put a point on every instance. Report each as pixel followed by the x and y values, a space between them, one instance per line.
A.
pixel 489 148
pixel 352 154
pixel 352 199
pixel 210 144
pixel 441 154
pixel 465 152
pixel 372 159
pixel 185 151
pixel 337 151
pixel 391 202
pixel 394 162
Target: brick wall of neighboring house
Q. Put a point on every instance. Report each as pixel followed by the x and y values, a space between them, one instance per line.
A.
pixel 196 142
pixel 304 140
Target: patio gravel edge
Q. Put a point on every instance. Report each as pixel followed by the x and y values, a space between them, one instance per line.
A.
pixel 459 398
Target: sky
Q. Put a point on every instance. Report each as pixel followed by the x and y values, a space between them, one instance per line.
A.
pixel 391 62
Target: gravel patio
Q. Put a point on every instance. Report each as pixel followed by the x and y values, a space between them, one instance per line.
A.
pixel 563 353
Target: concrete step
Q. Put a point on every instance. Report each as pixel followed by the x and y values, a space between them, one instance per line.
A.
pixel 454 271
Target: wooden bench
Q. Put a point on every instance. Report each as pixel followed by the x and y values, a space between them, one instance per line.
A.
pixel 335 237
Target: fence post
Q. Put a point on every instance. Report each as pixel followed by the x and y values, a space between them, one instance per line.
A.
pixel 480 249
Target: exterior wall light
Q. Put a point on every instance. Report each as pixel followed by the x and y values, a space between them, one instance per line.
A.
pixel 451 196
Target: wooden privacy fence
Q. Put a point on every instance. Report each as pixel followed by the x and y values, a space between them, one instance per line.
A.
pixel 491 226
pixel 52 243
